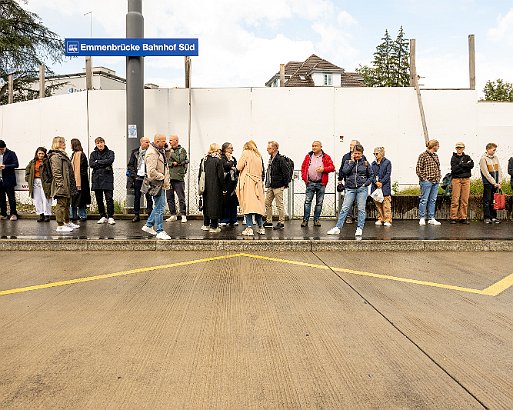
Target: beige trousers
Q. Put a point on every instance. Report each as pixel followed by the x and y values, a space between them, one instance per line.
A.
pixel 460 194
pixel 270 195
pixel 384 209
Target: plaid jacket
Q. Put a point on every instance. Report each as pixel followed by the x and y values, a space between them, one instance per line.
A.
pixel 428 167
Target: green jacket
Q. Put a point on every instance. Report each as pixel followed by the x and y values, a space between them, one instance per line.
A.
pixel 30 172
pixel 179 155
pixel 61 170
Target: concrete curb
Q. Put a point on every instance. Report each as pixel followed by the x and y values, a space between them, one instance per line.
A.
pixel 93 245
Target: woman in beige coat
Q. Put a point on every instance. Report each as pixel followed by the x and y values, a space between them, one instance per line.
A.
pixel 250 189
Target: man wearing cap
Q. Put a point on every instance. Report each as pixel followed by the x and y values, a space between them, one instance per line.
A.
pixel 8 163
pixel 461 170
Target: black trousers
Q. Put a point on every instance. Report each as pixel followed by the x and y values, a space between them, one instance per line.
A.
pixel 137 198
pixel 488 211
pixel 108 198
pixel 179 188
pixel 12 199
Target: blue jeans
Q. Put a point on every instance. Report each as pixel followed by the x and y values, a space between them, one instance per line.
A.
pixel 78 212
pixel 317 189
pixel 428 195
pixel 360 194
pixel 156 218
pixel 258 219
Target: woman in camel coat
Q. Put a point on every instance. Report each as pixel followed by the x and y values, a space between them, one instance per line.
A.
pixel 250 188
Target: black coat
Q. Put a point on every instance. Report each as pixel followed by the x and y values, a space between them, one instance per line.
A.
pixel 11 163
pixel 461 166
pixel 214 187
pixel 83 197
pixel 103 175
pixel 280 172
pixel 231 174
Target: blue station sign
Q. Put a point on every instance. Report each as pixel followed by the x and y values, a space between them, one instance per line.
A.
pixel 132 47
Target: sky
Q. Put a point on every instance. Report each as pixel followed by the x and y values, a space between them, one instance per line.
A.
pixel 242 43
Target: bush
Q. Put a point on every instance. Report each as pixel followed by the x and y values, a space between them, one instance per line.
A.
pixel 476 188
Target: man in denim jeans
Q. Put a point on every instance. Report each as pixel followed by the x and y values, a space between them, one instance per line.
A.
pixel 428 171
pixel 315 172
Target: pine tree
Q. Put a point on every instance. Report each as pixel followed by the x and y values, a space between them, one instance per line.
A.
pixel 498 90
pixel 25 44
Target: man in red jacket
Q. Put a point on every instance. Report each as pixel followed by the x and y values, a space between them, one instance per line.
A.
pixel 314 171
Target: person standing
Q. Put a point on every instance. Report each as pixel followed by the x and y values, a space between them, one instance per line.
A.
pixel 215 189
pixel 156 158
pixel 428 171
pixel 250 188
pixel 39 190
pixel 8 165
pixel 382 170
pixel 276 180
pixel 231 175
pixel 461 170
pixel 136 173
pixel 315 173
pixel 358 176
pixel 177 169
pixel 510 171
pixel 63 184
pixel 80 170
pixel 491 174
pixel 101 160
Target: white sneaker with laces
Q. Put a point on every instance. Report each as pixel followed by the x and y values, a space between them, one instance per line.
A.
pixel 184 219
pixel 205 228
pixel 358 232
pixel 215 230
pixel 261 231
pixel 102 220
pixel 378 223
pixel 163 236
pixel 387 224
pixel 334 231
pixel 247 232
pixel 422 221
pixel 172 218
pixel 64 228
pixel 433 221
pixel 72 225
pixel 111 221
pixel 149 229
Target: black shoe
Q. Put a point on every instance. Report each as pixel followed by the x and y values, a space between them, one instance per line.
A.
pixel 136 218
pixel 268 225
pixel 487 221
pixel 41 218
pixel 496 221
pixel 453 221
pixel 317 223
pixel 304 224
pixel 279 225
pixel 47 218
pixel 464 221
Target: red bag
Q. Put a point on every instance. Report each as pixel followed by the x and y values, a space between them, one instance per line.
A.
pixel 499 201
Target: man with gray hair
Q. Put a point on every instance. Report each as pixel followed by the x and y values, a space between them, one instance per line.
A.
pixel 136 171
pixel 177 169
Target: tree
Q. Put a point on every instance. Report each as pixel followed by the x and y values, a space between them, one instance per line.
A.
pixel 25 44
pixel 498 90
pixel 391 63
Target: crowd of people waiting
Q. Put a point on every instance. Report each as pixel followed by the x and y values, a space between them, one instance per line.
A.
pixel 157 170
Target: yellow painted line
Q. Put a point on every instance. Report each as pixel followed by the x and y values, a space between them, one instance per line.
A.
pixel 113 275
pixel 499 287
pixel 387 277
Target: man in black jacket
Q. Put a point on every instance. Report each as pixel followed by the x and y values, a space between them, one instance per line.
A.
pixel 101 160
pixel 8 164
pixel 276 180
pixel 461 171
pixel 136 173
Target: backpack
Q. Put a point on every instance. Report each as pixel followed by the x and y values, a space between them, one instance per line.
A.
pixel 201 181
pixel 47 175
pixel 447 184
pixel 290 164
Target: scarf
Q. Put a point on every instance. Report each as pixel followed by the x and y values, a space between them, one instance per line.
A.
pixel 75 162
pixel 162 151
pixel 215 155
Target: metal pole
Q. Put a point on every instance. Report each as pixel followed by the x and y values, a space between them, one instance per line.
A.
pixel 41 81
pixel 472 61
pixel 10 89
pixel 415 78
pixel 134 84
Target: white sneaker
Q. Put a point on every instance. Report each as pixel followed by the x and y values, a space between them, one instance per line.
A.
pixel 247 232
pixel 163 235
pixel 387 224
pixel 184 219
pixel 149 229
pixel 72 225
pixel 235 224
pixel 215 230
pixel 433 221
pixel 102 220
pixel 111 221
pixel 358 232
pixel 64 228
pixel 334 231
pixel 422 221
pixel 172 218
pixel 222 224
pixel 261 231
pixel 379 223
pixel 205 228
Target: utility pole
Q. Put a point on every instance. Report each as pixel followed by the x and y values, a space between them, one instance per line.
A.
pixel 42 81
pixel 89 60
pixel 414 80
pixel 472 61
pixel 10 89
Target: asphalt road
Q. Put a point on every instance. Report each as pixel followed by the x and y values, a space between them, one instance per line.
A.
pixel 225 330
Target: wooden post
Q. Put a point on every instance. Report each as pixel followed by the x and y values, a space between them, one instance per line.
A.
pixel 472 61
pixel 415 78
pixel 89 73
pixel 187 72
pixel 282 75
pixel 10 89
pixel 41 81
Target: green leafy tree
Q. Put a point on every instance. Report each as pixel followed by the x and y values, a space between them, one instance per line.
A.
pixel 391 63
pixel 25 44
pixel 498 90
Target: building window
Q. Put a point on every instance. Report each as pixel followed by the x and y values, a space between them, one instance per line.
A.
pixel 328 79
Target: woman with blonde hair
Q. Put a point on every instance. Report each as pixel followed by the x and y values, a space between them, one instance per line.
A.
pixel 215 189
pixel 250 188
